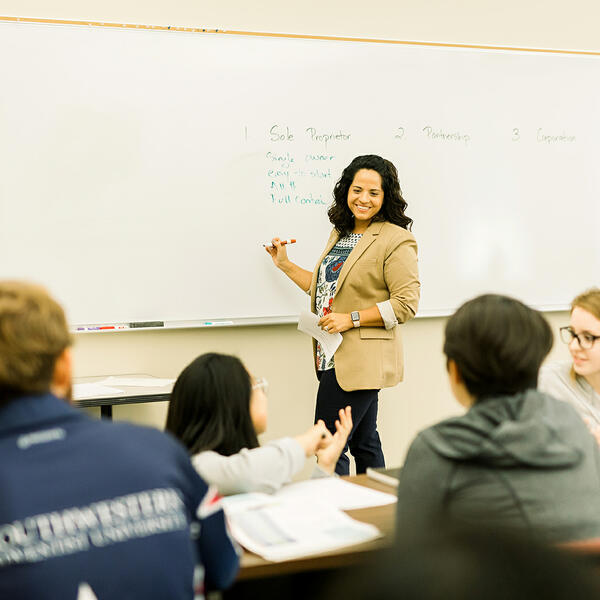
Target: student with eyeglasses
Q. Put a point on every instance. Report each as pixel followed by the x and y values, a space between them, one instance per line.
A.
pixel 578 381
pixel 218 409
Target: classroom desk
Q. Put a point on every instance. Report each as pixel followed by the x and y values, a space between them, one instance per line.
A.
pixel 383 517
pixel 129 395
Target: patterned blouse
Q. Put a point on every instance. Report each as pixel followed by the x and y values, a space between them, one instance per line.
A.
pixel 329 271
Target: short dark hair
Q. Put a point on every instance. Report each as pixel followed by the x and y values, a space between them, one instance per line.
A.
pixel 393 206
pixel 210 406
pixel 498 345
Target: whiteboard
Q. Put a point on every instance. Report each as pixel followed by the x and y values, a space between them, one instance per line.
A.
pixel 142 170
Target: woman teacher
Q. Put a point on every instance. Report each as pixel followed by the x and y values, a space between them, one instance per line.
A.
pixel 364 285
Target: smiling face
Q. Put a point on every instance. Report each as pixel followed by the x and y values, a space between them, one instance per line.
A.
pixel 585 362
pixel 365 198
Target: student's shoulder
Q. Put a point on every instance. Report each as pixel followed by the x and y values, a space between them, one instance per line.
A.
pixel 424 461
pixel 555 373
pixel 559 367
pixel 206 458
pixel 422 443
pixel 129 435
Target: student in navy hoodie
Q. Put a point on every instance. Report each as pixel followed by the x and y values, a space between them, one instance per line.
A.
pixel 90 509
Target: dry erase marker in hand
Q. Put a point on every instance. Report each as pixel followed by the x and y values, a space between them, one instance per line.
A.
pixel 283 243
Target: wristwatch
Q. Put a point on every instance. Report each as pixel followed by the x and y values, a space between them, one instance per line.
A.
pixel 355 316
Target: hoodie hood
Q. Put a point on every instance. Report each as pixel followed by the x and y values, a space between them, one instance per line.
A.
pixel 528 429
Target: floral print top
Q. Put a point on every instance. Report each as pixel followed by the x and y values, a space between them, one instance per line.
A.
pixel 329 271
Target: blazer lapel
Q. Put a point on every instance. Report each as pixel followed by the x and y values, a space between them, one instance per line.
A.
pixel 369 236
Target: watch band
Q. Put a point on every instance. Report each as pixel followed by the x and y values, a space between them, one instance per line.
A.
pixel 355 316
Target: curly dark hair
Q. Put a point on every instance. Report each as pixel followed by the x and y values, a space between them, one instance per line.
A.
pixel 393 206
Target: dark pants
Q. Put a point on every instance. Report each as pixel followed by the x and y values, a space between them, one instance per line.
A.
pixel 363 440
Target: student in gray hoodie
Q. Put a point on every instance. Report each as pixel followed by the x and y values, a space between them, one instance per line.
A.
pixel 518 458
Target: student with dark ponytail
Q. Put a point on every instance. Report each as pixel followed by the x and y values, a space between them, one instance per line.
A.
pixel 217 410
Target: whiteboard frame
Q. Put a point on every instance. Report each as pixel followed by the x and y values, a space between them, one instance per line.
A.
pixel 287 319
pixel 205 30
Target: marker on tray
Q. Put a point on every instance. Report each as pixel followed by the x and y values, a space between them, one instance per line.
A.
pixel 283 243
pixel 103 327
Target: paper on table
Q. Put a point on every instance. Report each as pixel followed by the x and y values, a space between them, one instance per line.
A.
pixel 333 491
pixel 137 381
pixel 247 501
pixel 92 390
pixel 290 528
pixel 337 492
pixel 330 342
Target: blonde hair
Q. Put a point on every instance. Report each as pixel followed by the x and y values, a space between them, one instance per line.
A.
pixel 33 333
pixel 589 300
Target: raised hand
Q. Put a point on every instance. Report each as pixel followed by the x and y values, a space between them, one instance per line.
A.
pixel 312 439
pixel 331 447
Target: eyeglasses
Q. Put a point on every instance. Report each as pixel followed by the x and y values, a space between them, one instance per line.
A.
pixel 261 383
pixel 585 340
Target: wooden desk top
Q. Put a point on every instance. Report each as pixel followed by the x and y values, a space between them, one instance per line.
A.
pixel 383 517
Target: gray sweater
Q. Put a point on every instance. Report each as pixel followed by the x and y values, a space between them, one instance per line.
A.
pixel 263 469
pixel 525 462
pixel 556 380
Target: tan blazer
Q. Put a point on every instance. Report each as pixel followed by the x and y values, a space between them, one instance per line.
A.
pixel 382 266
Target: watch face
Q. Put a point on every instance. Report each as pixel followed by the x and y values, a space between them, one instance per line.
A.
pixel 355 316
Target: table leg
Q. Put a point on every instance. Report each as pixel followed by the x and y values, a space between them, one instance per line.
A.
pixel 106 412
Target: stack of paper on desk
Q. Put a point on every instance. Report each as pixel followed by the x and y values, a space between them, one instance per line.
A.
pixel 278 529
pixel 125 381
pixel 301 521
pixel 110 386
pixel 93 390
pixel 336 492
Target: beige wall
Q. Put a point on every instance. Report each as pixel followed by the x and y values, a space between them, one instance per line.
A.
pixel 280 353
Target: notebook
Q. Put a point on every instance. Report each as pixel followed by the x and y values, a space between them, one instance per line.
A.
pixel 383 475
